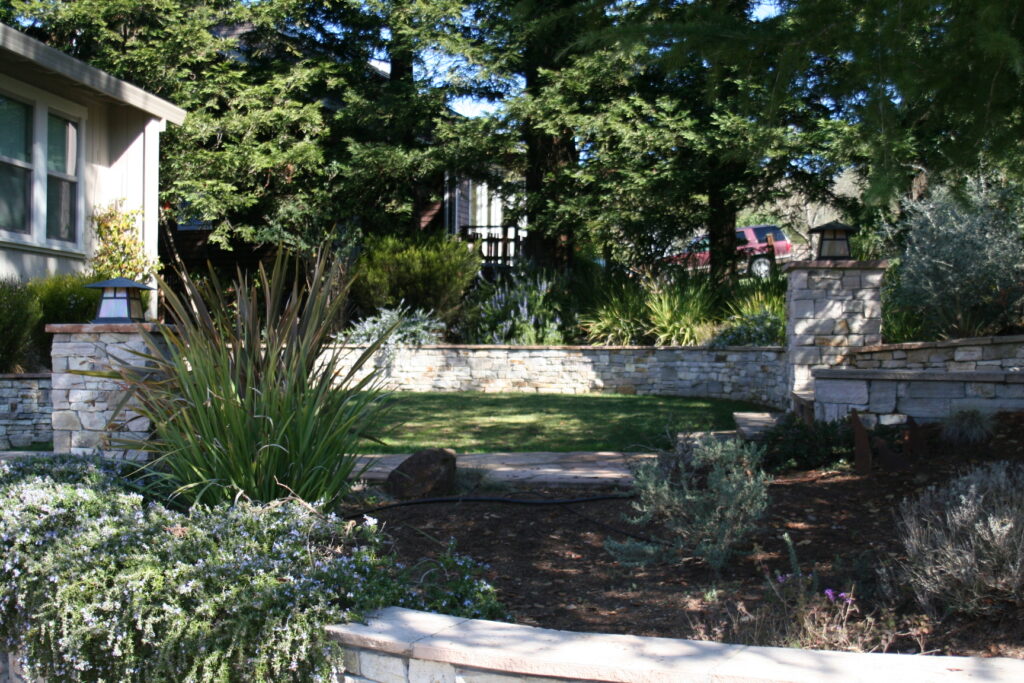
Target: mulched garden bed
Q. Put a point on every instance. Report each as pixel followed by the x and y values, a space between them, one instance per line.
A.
pixel 551 569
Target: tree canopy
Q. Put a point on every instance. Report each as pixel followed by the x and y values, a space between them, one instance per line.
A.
pixel 622 127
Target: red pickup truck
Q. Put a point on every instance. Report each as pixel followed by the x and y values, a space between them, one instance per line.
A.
pixel 754 243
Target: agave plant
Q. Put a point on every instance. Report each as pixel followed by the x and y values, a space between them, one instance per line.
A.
pixel 248 396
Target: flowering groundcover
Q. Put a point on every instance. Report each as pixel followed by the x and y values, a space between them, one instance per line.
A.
pixel 98 583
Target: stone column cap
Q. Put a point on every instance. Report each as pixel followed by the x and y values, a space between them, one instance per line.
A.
pixel 880 264
pixel 109 328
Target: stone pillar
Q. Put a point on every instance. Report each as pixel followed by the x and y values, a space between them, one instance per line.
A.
pixel 832 307
pixel 83 405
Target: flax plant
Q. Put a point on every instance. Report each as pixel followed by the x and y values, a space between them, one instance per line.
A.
pixel 250 397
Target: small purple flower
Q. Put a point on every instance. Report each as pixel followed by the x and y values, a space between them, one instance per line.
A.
pixel 848 599
pixel 782 578
pixel 831 594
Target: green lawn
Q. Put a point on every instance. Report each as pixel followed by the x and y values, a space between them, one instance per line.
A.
pixel 485 423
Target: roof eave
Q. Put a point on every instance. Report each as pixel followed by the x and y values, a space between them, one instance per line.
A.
pixel 76 70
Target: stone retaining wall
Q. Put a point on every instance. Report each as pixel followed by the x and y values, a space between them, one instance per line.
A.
pixel 399 645
pixel 744 373
pixel 24 410
pixel 955 355
pixel 891 396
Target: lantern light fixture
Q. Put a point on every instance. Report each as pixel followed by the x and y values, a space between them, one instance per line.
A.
pixel 834 241
pixel 121 301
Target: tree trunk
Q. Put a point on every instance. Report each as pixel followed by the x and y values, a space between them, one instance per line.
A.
pixel 721 234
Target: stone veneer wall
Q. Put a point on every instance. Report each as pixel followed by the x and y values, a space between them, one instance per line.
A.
pixel 979 354
pixel 891 396
pixel 83 406
pixel 24 410
pixel 745 373
pixel 832 307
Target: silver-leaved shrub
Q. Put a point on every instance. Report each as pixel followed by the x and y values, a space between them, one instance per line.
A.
pixel 961 269
pixel 99 584
pixel 702 500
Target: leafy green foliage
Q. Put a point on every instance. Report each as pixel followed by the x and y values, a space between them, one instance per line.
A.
pixel 99 584
pixel 521 307
pixel 707 496
pixel 621 318
pixel 428 274
pixel 948 237
pixel 250 398
pixel 752 329
pixel 792 444
pixel 19 315
pixel 62 299
pixel 119 250
pixel 681 315
pixel 964 542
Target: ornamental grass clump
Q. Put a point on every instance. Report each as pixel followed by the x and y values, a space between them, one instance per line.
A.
pixel 251 395
pixel 99 584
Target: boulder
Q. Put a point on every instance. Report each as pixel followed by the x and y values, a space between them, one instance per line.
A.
pixel 424 474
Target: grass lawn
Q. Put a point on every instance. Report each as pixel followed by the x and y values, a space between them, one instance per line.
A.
pixel 486 423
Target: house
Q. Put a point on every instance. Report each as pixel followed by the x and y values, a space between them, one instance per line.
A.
pixel 72 138
pixel 475 212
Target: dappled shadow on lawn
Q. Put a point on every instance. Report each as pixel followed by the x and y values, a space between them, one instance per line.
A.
pixel 477 423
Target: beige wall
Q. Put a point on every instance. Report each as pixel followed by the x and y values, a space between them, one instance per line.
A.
pixel 120 150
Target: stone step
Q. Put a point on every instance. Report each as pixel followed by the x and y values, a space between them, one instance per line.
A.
pixel 752 426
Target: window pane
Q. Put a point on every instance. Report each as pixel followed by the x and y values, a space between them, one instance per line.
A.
pixel 14 183
pixel 61 209
pixel 62 145
pixel 15 130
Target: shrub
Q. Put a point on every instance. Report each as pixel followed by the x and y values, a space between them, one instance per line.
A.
pixel 62 299
pixel 755 329
pixel 964 542
pixel 681 315
pixel 251 398
pixel 99 585
pixel 119 251
pixel 967 427
pixel 621 319
pixel 397 327
pixel 518 308
pixel 792 444
pixel 431 275
pixel 962 265
pixel 19 315
pixel 707 497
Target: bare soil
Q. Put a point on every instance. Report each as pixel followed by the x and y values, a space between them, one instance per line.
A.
pixel 551 569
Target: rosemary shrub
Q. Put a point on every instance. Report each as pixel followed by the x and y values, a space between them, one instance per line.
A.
pixel 98 584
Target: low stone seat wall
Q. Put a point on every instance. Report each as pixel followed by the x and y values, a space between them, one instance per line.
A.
pixel 891 396
pixel 398 645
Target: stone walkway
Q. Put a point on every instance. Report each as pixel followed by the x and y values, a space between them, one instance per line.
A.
pixel 579 468
pixel 576 468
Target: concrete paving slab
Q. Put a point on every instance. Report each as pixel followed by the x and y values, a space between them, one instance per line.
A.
pixel 752 426
pixel 544 468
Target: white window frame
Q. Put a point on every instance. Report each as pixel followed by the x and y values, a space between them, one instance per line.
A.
pixel 43 104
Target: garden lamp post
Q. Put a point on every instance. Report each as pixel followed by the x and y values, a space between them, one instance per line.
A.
pixel 833 241
pixel 121 301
